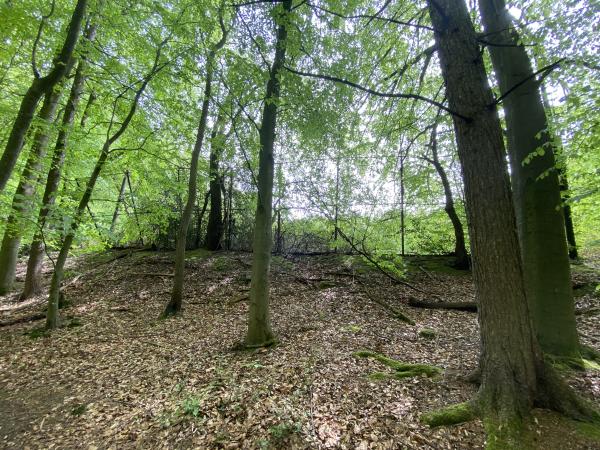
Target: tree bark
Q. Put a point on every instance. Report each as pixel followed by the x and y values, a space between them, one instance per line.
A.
pixel 536 187
pixel 259 324
pixel 38 88
pixel 174 305
pixel 214 229
pixel 23 198
pixel 460 250
pixel 514 374
pixel 33 278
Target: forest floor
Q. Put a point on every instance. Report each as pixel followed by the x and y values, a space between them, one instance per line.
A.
pixel 118 377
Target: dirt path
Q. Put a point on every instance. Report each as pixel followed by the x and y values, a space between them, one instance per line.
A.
pixel 120 378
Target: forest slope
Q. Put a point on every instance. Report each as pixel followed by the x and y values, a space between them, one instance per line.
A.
pixel 118 377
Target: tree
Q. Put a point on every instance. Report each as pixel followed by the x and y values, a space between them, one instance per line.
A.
pixel 259 323
pixel 23 198
pixel 52 317
pixel 38 88
pixel 214 229
pixel 460 250
pixel 174 305
pixel 33 278
pixel 514 375
pixel 536 187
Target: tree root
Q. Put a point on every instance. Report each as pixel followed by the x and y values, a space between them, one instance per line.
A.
pixel 401 369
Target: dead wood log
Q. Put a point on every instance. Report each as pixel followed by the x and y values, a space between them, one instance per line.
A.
pixel 32 318
pixel 458 306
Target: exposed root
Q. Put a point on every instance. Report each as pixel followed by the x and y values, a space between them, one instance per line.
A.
pixel 555 394
pixel 451 415
pixel 401 369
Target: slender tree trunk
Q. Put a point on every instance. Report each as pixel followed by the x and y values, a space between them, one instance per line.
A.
pixel 564 183
pixel 87 109
pixel 23 198
pixel 201 213
pixel 174 305
pixel 38 88
pixel 135 213
pixel 402 225
pixel 513 372
pixel 460 250
pixel 33 279
pixel 229 211
pixel 52 317
pixel 120 199
pixel 259 323
pixel 214 229
pixel 536 188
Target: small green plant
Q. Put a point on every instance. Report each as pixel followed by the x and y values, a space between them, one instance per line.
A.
pixel 352 328
pixel 282 431
pixel 191 406
pixel 79 409
pixel 221 264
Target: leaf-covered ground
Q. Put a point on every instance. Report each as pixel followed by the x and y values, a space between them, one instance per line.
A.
pixel 118 377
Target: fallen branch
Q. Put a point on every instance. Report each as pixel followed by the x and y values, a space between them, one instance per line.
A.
pixel 395 312
pixel 33 318
pixel 459 306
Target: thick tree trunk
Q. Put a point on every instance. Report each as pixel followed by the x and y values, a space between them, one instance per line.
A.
pixel 536 187
pixel 33 279
pixel 174 305
pixel 460 249
pixel 214 229
pixel 514 375
pixel 23 198
pixel 259 323
pixel 38 88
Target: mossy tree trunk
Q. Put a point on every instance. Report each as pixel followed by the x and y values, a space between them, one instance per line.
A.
pixel 536 187
pixel 214 228
pixel 259 324
pixel 40 86
pixel 513 372
pixel 52 316
pixel 460 250
pixel 33 278
pixel 23 198
pixel 174 305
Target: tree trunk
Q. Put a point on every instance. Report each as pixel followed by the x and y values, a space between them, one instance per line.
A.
pixel 564 183
pixel 23 198
pixel 460 250
pixel 33 279
pixel 514 375
pixel 174 305
pixel 120 199
pixel 214 229
pixel 536 188
pixel 38 88
pixel 52 317
pixel 259 323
